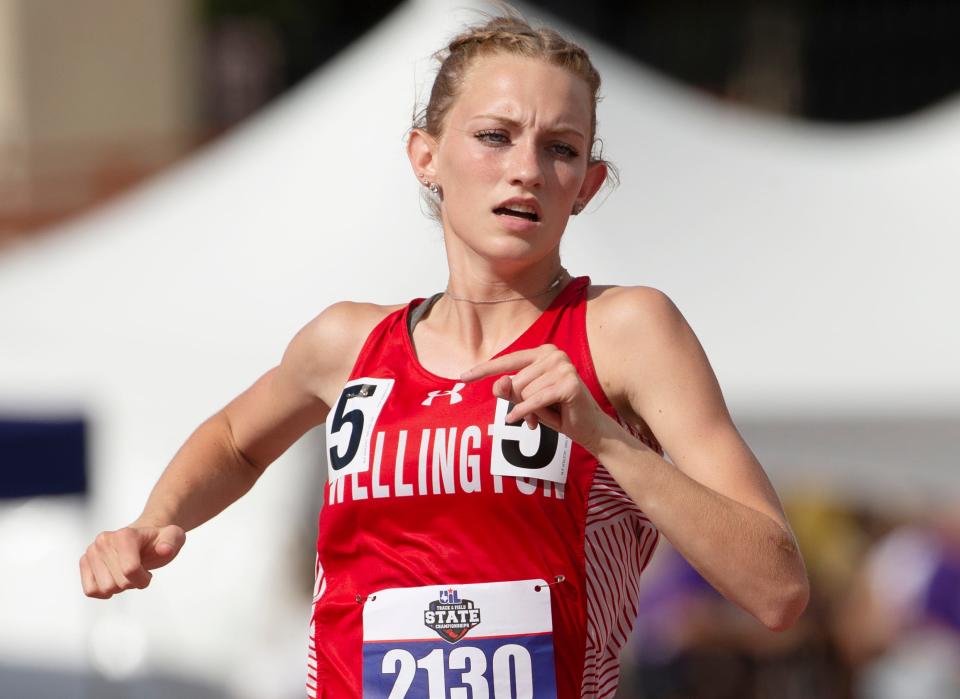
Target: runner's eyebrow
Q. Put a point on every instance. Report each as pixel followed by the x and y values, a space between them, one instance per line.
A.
pixel 559 128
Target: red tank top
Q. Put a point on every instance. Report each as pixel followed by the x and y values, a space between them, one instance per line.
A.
pixel 413 504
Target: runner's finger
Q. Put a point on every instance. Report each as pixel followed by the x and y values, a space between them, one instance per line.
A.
pixel 503 387
pixel 101 573
pixel 532 389
pixel 110 558
pixel 500 365
pixel 87 579
pixel 539 404
pixel 127 547
pixel 528 374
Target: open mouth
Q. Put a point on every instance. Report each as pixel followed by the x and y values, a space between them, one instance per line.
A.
pixel 529 215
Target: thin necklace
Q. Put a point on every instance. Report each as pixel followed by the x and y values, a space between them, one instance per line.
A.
pixel 561 275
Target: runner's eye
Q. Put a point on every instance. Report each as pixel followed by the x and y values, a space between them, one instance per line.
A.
pixel 492 137
pixel 565 150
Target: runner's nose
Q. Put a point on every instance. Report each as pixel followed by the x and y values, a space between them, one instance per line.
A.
pixel 526 167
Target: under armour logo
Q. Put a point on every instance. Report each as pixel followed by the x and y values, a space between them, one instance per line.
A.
pixel 454 394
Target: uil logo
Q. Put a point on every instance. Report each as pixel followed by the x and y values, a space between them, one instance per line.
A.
pixel 450 616
pixel 453 394
pixel 450 596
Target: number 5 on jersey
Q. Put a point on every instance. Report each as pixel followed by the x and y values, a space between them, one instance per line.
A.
pixel 519 451
pixel 350 426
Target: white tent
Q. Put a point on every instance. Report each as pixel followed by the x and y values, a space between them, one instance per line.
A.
pixel 816 265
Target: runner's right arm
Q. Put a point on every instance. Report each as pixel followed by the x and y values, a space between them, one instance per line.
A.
pixel 229 451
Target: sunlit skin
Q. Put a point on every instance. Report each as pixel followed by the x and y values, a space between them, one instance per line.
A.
pixel 520 127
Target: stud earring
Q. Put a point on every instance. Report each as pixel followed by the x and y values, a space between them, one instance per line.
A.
pixel 432 186
pixel 577 207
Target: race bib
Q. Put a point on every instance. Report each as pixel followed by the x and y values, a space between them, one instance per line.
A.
pixel 479 641
pixel 524 453
pixel 350 426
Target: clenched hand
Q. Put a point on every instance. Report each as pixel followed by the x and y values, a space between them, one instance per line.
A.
pixel 122 559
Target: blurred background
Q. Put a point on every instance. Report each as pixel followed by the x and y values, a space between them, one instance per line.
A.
pixel 185 184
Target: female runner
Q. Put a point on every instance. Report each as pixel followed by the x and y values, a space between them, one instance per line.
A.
pixel 496 477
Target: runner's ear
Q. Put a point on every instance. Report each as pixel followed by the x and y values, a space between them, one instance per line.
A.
pixel 592 182
pixel 421 149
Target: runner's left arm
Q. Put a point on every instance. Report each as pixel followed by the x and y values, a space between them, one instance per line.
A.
pixel 712 500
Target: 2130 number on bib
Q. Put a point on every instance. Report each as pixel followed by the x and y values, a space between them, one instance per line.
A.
pixel 478 641
pixel 491 669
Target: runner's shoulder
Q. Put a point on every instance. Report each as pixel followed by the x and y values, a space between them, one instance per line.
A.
pixel 631 312
pixel 327 346
pixel 631 331
pixel 346 323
